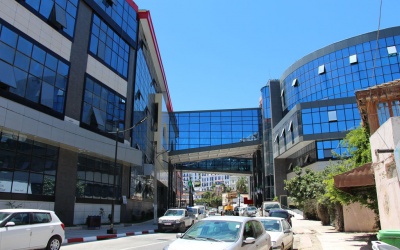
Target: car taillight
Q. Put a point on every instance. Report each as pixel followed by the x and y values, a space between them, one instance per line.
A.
pixel 63 226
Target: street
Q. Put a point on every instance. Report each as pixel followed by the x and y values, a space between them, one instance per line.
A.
pixel 309 235
pixel 147 241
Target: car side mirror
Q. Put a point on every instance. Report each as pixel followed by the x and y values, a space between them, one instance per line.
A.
pixel 179 235
pixel 10 224
pixel 249 240
pixel 288 231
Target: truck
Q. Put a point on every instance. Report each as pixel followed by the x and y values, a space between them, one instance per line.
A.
pixel 175 219
pixel 228 202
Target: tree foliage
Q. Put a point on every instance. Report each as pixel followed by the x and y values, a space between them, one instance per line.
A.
pixel 357 141
pixel 320 185
pixel 304 186
pixel 241 185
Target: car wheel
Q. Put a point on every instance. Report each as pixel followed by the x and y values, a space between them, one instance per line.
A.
pixel 54 243
pixel 283 247
pixel 182 227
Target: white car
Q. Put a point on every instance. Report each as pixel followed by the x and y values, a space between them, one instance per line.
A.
pixel 280 231
pixel 30 229
pixel 198 212
pixel 223 232
pixel 250 211
pixel 175 219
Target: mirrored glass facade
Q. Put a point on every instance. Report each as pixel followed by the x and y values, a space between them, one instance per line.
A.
pixel 218 127
pixel 316 107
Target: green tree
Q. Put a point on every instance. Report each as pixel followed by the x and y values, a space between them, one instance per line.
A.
pixel 241 185
pixel 357 142
pixel 304 186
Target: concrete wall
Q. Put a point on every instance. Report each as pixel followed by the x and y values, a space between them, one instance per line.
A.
pixel 386 177
pixel 358 218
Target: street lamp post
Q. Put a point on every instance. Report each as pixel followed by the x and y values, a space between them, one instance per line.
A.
pixel 111 230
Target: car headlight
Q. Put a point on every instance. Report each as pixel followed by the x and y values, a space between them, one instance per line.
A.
pixel 160 221
pixel 166 247
pixel 178 221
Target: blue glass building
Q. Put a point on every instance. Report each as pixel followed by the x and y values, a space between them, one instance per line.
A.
pixel 312 106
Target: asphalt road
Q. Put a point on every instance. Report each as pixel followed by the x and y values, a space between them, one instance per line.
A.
pixel 147 241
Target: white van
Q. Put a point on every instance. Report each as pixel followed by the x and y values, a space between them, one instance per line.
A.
pixel 268 205
pixel 198 211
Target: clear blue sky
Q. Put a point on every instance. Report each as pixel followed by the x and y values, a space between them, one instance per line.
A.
pixel 218 54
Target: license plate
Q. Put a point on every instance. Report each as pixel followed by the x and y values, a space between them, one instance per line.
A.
pixel 167 224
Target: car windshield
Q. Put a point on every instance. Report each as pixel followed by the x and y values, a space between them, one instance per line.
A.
pixel 227 231
pixel 270 206
pixel 251 209
pixel 174 213
pixel 272 225
pixel 192 210
pixel 3 216
pixel 278 214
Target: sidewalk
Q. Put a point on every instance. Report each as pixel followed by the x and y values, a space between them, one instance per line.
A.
pixel 311 235
pixel 82 234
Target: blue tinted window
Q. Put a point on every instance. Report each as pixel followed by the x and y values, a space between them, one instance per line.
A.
pixel 109 47
pixel 67 9
pixel 99 112
pixel 123 14
pixel 32 74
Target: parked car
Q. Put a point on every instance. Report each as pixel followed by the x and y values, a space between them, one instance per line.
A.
pixel 282 213
pixel 268 205
pixel 250 211
pixel 238 211
pixel 223 232
pixel 30 229
pixel 198 212
pixel 177 219
pixel 280 231
pixel 212 211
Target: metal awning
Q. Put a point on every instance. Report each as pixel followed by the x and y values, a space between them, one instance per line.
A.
pixel 356 178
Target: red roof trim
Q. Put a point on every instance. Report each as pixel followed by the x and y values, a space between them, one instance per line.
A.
pixel 145 14
pixel 133 5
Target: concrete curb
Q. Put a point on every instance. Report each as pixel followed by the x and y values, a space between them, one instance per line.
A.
pixel 105 237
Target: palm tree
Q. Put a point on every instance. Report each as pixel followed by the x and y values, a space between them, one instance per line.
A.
pixel 241 185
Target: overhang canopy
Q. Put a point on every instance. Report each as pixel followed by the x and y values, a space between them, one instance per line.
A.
pixel 356 178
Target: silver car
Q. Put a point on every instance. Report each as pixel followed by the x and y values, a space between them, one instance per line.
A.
pixel 280 231
pixel 30 229
pixel 250 211
pixel 223 232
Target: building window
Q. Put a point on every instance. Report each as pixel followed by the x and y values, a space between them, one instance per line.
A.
pixel 61 14
pixel 103 108
pixel 392 51
pixel 321 69
pixel 332 116
pixel 96 178
pixel 122 13
pixel 27 166
pixel 109 47
pixel 290 128
pixel 353 59
pixel 396 108
pixel 295 83
pixel 383 112
pixel 31 71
